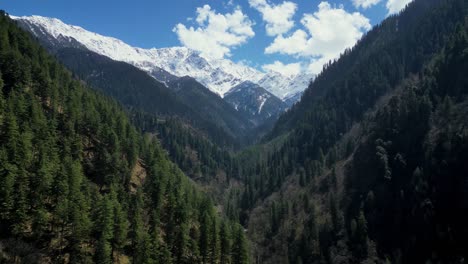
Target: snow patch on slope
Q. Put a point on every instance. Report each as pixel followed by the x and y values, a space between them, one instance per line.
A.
pixel 219 76
pixel 262 99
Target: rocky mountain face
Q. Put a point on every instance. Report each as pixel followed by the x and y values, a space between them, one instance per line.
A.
pixel 219 75
pixel 253 101
pixel 285 87
pixel 183 97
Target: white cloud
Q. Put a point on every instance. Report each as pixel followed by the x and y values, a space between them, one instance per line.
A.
pixel 291 69
pixel 296 44
pixel 395 6
pixel 329 32
pixel 365 3
pixel 278 18
pixel 316 64
pixel 216 33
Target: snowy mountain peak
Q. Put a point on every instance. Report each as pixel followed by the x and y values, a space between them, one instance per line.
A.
pixel 285 86
pixel 219 75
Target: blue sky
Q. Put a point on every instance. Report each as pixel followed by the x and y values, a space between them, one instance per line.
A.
pixel 276 35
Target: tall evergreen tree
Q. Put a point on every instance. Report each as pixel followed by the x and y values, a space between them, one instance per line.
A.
pixel 225 244
pixel 239 253
pixel 105 227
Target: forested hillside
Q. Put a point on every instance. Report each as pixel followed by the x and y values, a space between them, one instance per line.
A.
pixel 197 128
pixel 184 98
pixel 212 107
pixel 79 184
pixel 370 165
pixel 208 164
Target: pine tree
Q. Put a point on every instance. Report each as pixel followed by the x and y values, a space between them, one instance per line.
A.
pixel 239 249
pixel 120 228
pixel 214 242
pixel 12 136
pixel 66 156
pixel 225 244
pixel 141 241
pixel 335 213
pixel 105 227
pixel 204 237
pixel 359 235
pixel 4 39
pixel 21 212
pixel 8 175
pixel 274 218
pixel 310 238
pixel 42 180
pixel 206 215
pixel 2 99
pixel 181 230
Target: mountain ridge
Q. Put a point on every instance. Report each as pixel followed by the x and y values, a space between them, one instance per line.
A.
pixel 219 75
pixel 80 184
pixel 255 102
pixel 138 91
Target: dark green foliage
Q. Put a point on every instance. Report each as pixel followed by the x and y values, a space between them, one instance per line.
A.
pixel 240 248
pixel 104 226
pixel 186 98
pixel 308 247
pixel 408 134
pixel 375 156
pixel 379 140
pixel 213 108
pixel 225 244
pixel 195 154
pixel 69 186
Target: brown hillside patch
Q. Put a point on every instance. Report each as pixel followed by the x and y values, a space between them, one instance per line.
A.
pixel 138 176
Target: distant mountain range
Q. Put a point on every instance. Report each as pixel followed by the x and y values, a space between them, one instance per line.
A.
pixel 220 75
pixel 218 97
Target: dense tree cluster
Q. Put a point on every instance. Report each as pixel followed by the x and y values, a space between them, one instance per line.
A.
pixel 185 99
pixel 195 154
pixel 379 112
pixel 351 87
pixel 370 167
pixel 79 184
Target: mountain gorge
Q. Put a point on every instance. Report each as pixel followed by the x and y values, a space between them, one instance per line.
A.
pixel 98 60
pixel 79 184
pixel 208 161
pixel 183 97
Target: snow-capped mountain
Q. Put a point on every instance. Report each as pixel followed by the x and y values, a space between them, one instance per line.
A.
pixel 286 86
pixel 219 76
pixel 255 102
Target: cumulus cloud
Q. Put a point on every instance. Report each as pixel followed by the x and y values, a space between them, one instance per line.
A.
pixel 215 34
pixel 365 3
pixel 278 18
pixel 291 69
pixel 296 44
pixel 394 6
pixel 328 32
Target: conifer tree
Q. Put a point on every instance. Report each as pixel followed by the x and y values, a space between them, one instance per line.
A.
pixel 66 157
pixel 225 244
pixel 105 227
pixel 8 175
pixel 239 249
pixel 214 242
pixel 2 99
pixel 120 228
